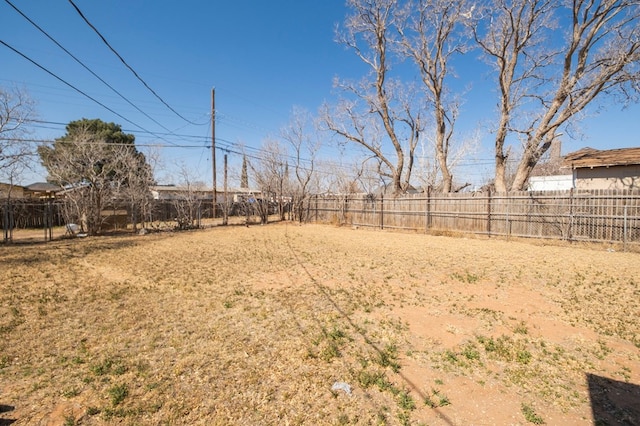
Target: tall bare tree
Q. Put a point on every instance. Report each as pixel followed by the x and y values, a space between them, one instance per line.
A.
pixel 379 101
pixel 270 175
pixel 547 76
pixel 16 110
pixel 302 136
pixel 137 177
pixel 432 34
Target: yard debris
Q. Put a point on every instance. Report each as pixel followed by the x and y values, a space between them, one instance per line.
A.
pixel 72 229
pixel 337 386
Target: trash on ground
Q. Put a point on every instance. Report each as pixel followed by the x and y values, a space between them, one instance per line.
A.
pixel 341 386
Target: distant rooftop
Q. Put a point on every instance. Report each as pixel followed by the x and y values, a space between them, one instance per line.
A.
pixel 43 187
pixel 589 157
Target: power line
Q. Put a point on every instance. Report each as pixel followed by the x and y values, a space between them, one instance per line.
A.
pixel 51 73
pixel 84 66
pixel 320 167
pixel 79 91
pixel 259 154
pixel 104 40
pixel 49 125
pixel 99 142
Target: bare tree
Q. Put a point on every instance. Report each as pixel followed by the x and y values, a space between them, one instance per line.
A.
pixel 345 180
pixel 302 135
pixel 188 201
pixel 83 168
pixel 271 175
pixel 336 176
pixel 432 34
pixel 546 81
pixel 16 110
pixel 379 100
pixel 95 161
pixel 137 177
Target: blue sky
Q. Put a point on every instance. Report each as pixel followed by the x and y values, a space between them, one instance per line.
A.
pixel 263 58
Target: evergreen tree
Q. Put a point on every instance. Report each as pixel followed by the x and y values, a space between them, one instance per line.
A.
pixel 244 177
pixel 99 165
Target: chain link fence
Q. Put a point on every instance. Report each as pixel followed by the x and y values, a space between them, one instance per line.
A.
pixel 30 219
pixel 37 220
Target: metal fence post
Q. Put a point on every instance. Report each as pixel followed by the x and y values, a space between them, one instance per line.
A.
pixel 381 211
pixel 5 222
pixel 45 221
pixel 569 236
pixel 426 213
pixel 624 236
pixel 345 209
pixel 489 212
pixel 507 224
pixel 428 207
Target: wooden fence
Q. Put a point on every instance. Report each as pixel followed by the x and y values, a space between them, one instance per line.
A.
pixel 596 216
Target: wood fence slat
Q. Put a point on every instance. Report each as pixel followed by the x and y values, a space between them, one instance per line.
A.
pixel 603 215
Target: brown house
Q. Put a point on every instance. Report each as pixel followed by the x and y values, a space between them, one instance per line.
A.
pixel 38 190
pixel 605 169
pixel 11 191
pixel 41 190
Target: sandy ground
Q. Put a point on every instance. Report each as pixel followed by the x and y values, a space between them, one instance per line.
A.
pixel 287 324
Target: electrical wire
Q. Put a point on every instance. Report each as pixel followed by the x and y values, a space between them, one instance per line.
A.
pixel 319 167
pixel 98 142
pixel 104 40
pixel 51 73
pixel 258 154
pixel 85 66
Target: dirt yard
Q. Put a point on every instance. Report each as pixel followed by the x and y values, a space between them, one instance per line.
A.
pixel 317 325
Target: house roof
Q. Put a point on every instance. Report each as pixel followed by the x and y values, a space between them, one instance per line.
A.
pixel 589 157
pixel 43 187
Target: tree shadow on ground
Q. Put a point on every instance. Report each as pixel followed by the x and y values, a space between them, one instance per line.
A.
pixel 326 293
pixel 613 402
pixel 6 409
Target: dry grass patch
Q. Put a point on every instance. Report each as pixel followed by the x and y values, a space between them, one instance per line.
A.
pixel 255 326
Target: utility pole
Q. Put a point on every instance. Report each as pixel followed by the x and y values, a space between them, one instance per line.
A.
pixel 213 148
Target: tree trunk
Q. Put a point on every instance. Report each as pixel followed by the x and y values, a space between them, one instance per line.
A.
pixel 522 176
pixel 500 182
pixel 536 148
pixel 447 177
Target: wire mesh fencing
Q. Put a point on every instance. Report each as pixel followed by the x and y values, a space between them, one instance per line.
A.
pixel 611 216
pixel 595 216
pixel 39 217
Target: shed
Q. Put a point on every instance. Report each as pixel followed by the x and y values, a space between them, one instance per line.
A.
pixel 605 169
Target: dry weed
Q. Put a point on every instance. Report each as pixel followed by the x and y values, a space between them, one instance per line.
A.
pixel 254 325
